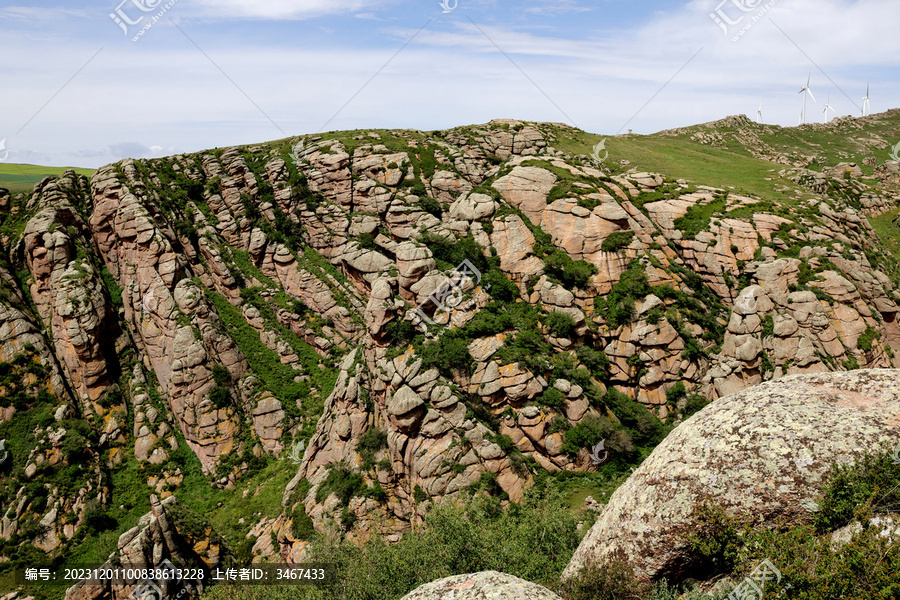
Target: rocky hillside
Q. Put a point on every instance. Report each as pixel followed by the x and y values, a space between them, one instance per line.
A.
pixel 336 331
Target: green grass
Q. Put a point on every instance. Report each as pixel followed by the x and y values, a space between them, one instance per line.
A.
pixel 22 178
pixel 888 232
pixel 681 158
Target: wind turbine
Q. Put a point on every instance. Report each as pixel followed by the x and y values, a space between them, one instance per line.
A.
pixel 805 90
pixel 759 113
pixel 865 106
pixel 828 107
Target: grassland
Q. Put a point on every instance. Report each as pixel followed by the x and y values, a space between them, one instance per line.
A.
pixel 22 178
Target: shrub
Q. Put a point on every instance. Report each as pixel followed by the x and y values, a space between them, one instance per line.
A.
pixel 698 217
pixel 571 273
pixel 611 579
pixel 560 324
pixel 595 360
pixel 341 482
pixel 400 334
pixel 366 241
pixel 301 524
pixel 618 240
pixel 220 397
pixel 618 306
pixel 592 430
pixel 221 375
pixel 448 354
pixel 553 398
pixel 419 494
pixel 371 442
pixel 768 326
pixel 872 481
pixel 502 289
pixel 431 206
pixel 716 545
pixel 866 341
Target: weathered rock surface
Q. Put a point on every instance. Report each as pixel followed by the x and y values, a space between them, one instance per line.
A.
pixel 762 453
pixel 488 585
pixel 156 538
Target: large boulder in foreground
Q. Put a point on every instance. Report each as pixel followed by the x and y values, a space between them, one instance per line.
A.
pixel 763 453
pixel 489 585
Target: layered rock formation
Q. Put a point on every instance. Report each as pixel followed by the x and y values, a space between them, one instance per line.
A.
pixel 234 303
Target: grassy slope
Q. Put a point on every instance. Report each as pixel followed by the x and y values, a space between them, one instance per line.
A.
pixel 677 156
pixel 22 178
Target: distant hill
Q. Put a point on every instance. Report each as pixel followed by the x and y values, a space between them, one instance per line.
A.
pixel 22 178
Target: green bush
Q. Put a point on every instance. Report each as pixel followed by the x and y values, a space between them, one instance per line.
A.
pixel 618 306
pixel 301 524
pixel 220 397
pixel 431 206
pixel 592 430
pixel 553 398
pixel 872 482
pixel 419 494
pixel 221 375
pixel 698 217
pixel 618 240
pixel 595 360
pixel 502 289
pixel 867 340
pixel 341 482
pixel 560 324
pixel 611 579
pixel 400 334
pixel 717 542
pixel 570 273
pixel 447 354
pixel 370 443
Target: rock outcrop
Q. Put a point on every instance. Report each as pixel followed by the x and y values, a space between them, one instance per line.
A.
pixel 762 453
pixel 488 585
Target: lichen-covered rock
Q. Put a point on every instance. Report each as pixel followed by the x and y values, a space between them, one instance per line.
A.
pixel 487 585
pixel 762 453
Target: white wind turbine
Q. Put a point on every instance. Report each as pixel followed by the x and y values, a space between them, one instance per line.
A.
pixel 805 90
pixel 865 106
pixel 759 113
pixel 828 107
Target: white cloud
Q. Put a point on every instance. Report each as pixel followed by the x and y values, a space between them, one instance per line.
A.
pixel 284 9
pixel 166 92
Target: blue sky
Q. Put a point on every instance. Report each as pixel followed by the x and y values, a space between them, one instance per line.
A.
pixel 76 90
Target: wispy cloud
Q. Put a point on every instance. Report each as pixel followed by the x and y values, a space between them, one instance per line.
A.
pixel 286 9
pixel 549 7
